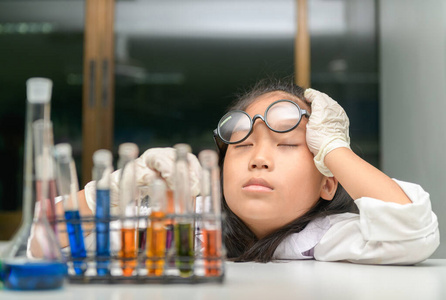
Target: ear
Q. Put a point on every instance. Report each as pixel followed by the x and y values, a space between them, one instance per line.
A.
pixel 329 187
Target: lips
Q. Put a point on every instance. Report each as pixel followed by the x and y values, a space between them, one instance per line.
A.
pixel 258 184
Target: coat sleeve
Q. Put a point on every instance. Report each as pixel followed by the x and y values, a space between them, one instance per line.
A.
pixel 383 232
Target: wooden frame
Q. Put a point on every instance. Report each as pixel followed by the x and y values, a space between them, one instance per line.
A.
pixel 98 82
pixel 302 46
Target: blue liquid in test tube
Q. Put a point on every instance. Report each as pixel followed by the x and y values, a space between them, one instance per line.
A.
pixel 103 231
pixel 76 238
pixel 68 189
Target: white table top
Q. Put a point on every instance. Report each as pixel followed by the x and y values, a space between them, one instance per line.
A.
pixel 306 279
pixel 287 280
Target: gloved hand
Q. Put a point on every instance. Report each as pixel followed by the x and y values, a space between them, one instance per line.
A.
pixel 327 128
pixel 153 163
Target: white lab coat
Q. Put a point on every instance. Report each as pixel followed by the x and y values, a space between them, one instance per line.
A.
pixel 382 233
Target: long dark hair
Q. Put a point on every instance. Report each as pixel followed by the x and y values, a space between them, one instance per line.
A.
pixel 241 243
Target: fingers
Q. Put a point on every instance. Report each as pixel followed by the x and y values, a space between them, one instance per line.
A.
pixel 310 94
pixel 90 195
pixel 161 162
pixel 160 159
pixel 195 174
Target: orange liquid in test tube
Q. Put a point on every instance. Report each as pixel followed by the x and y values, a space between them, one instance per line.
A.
pixel 156 244
pixel 128 251
pixel 211 253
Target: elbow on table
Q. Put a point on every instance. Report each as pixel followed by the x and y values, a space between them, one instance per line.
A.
pixel 424 248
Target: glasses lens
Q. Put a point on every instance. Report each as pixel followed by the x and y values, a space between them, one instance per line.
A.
pixel 283 116
pixel 234 126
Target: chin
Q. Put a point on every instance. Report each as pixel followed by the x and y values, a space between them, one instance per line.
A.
pixel 257 210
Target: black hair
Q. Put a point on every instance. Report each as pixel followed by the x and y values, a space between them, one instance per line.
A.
pixel 240 242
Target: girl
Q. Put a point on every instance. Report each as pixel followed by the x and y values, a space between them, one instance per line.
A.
pixel 293 188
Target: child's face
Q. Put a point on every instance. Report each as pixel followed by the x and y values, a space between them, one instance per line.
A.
pixel 270 178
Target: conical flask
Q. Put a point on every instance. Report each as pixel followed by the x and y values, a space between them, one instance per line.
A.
pixel 33 260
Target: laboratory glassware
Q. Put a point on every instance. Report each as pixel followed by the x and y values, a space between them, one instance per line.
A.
pixel 33 259
pixel 211 213
pixel 38 92
pixel 128 207
pixel 102 169
pixel 156 231
pixel 184 222
pixel 67 184
pixel 142 218
pixel 43 129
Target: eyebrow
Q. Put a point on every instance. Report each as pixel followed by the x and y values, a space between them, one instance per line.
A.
pixel 303 104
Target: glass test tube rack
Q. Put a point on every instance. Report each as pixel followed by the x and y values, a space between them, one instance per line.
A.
pixel 170 268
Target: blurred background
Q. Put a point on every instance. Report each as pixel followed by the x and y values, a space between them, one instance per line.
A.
pixel 178 64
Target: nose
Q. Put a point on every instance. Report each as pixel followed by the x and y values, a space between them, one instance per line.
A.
pixel 259 163
pixel 261 159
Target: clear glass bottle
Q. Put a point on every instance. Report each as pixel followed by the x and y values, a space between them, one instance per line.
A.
pixel 211 213
pixel 184 221
pixel 102 169
pixel 68 187
pixel 33 259
pixel 128 204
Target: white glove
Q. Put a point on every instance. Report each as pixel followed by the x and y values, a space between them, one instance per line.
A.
pixel 327 128
pixel 152 164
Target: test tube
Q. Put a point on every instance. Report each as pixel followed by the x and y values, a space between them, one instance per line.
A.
pixel 211 214
pixel 68 187
pixel 128 152
pixel 183 228
pixel 169 225
pixel 102 169
pixel 156 231
pixel 43 147
pixel 143 215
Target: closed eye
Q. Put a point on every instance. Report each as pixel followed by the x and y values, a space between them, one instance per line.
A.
pixel 288 145
pixel 242 145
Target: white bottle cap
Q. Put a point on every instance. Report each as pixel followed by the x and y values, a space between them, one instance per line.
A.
pixel 63 152
pixel 102 157
pixel 208 158
pixel 182 150
pixel 38 90
pixel 130 150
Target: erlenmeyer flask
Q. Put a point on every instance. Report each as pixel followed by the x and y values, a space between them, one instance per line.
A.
pixel 33 260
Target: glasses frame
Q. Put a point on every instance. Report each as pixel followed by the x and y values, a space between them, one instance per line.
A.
pixel 223 144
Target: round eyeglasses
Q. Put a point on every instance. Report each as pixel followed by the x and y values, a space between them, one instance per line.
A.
pixel 235 126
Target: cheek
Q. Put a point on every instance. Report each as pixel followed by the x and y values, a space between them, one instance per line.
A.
pixel 227 176
pixel 300 174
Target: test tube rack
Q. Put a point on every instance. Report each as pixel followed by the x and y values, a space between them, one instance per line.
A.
pixel 201 268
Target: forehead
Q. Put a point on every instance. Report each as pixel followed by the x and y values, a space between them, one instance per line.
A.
pixel 263 101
